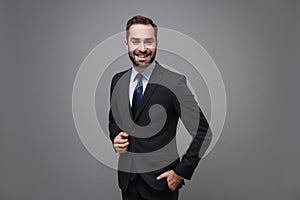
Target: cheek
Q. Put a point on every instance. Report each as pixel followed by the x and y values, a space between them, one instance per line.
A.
pixel 131 48
pixel 153 49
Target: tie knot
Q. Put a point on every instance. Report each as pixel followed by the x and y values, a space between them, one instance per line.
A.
pixel 139 78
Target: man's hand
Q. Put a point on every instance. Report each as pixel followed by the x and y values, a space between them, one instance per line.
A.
pixel 172 178
pixel 121 142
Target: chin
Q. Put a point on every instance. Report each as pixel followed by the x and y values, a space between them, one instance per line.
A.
pixel 143 65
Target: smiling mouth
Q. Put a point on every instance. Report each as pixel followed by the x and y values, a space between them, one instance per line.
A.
pixel 142 56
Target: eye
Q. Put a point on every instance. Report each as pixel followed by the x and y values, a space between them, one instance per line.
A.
pixel 149 42
pixel 135 42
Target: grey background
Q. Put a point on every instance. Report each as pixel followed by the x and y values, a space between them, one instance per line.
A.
pixel 254 43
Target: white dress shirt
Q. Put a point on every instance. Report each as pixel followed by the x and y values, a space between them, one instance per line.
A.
pixel 133 82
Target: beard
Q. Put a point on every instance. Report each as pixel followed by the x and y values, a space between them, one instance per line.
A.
pixel 137 53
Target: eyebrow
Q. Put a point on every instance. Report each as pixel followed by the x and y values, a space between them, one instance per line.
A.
pixel 149 39
pixel 146 39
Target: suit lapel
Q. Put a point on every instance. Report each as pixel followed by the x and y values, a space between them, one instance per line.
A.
pixel 155 78
pixel 122 90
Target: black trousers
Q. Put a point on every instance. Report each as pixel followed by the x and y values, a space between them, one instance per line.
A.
pixel 138 189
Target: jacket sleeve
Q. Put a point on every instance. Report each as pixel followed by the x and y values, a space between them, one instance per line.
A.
pixel 197 126
pixel 114 129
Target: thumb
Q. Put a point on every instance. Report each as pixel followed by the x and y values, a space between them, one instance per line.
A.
pixel 123 134
pixel 163 175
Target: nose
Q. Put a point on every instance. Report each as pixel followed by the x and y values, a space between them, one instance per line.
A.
pixel 142 47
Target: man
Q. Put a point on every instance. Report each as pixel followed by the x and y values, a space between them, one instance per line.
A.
pixel 146 102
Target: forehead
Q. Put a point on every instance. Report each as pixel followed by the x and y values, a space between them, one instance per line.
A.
pixel 141 31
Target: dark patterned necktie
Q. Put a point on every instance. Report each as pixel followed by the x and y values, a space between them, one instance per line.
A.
pixel 138 94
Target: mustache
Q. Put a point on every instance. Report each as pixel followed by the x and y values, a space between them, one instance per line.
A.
pixel 138 52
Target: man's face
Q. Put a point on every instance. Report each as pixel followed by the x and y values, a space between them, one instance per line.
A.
pixel 141 44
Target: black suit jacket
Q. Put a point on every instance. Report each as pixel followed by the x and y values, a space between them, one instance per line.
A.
pixel 154 152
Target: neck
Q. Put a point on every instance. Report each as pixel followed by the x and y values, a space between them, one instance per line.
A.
pixel 140 69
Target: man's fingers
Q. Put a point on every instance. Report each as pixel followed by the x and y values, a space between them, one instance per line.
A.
pixel 172 188
pixel 121 138
pixel 163 175
pixel 123 145
pixel 172 179
pixel 172 184
pixel 120 141
pixel 123 135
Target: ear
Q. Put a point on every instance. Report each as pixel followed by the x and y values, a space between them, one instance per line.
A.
pixel 126 43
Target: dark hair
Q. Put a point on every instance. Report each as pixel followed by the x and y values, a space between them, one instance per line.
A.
pixel 139 19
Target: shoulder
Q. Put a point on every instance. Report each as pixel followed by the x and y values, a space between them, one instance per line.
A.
pixel 171 75
pixel 118 75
